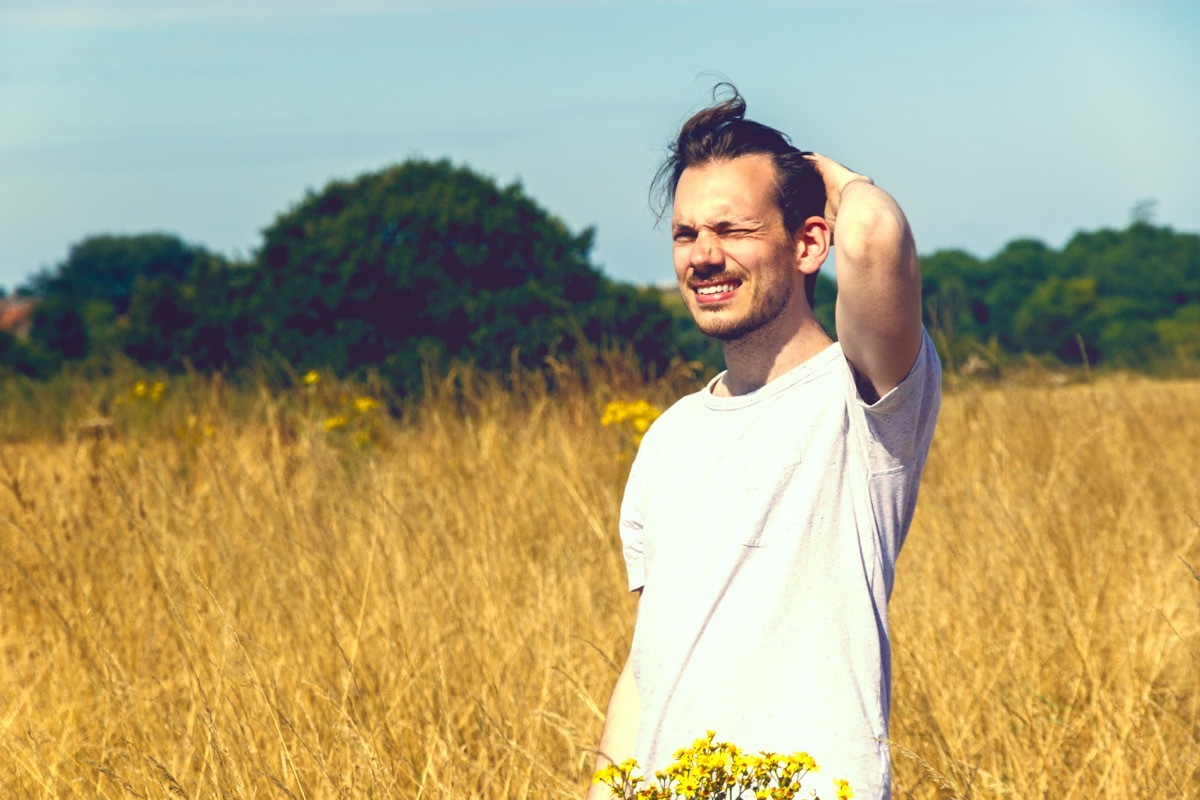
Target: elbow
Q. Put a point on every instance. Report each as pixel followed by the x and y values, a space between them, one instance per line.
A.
pixel 874 230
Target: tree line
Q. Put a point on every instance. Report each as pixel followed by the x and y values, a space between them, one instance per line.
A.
pixel 1128 298
pixel 424 263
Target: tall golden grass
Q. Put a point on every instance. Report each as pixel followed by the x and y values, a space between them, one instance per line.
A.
pixel 216 593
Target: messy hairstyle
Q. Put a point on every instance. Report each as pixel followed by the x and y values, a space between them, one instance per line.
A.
pixel 721 132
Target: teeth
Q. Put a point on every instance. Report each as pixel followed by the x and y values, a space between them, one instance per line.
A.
pixel 720 287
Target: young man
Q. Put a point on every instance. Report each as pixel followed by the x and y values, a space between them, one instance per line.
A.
pixel 763 515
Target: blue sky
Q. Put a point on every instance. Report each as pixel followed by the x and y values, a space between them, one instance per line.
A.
pixel 988 120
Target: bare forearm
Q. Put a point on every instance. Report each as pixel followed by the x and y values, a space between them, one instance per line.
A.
pixel 620 728
pixel 879 280
pixel 879 285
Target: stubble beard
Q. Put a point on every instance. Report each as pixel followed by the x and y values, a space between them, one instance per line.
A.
pixel 739 330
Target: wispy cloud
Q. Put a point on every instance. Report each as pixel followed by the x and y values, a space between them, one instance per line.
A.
pixel 126 13
pixel 58 14
pixel 51 14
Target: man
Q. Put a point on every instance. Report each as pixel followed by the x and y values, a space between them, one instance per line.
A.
pixel 763 515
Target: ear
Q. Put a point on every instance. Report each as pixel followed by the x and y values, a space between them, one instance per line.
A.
pixel 812 242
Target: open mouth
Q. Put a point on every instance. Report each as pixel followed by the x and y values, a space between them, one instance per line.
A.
pixel 715 292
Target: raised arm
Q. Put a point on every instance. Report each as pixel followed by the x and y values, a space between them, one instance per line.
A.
pixel 879 281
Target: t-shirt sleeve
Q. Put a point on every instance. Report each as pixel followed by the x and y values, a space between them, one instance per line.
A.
pixel 901 422
pixel 633 535
pixel 896 434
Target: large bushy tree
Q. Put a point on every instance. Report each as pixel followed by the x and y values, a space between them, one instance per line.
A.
pixel 427 261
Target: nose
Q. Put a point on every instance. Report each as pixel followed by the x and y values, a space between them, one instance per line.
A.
pixel 706 250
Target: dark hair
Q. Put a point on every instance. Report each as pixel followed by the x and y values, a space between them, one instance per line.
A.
pixel 721 132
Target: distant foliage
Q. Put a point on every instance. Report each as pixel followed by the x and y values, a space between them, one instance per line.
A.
pixel 1127 298
pixel 403 271
pixel 106 268
pixel 152 297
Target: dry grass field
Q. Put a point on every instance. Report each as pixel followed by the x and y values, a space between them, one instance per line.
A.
pixel 216 593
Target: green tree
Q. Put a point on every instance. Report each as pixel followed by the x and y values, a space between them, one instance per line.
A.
pixel 953 288
pixel 428 261
pixel 1110 288
pixel 106 268
pixel 58 328
pixel 202 320
pixel 24 357
pixel 1179 334
pixel 825 302
pixel 1008 279
pixel 86 303
pixel 1056 317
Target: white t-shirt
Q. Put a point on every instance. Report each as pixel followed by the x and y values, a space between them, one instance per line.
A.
pixel 763 530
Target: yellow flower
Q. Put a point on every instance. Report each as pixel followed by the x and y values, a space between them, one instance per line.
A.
pixel 801 762
pixel 635 417
pixel 312 378
pixel 709 768
pixel 844 792
pixel 606 774
pixel 364 404
pixel 612 414
pixel 333 423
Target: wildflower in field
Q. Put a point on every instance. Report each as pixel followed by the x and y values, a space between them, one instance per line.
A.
pixel 632 417
pixel 364 405
pixel 143 392
pixel 721 771
pixel 192 432
pixel 347 416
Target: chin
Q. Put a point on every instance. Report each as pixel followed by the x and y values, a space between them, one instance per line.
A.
pixel 726 330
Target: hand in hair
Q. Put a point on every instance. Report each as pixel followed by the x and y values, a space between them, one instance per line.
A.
pixel 836 178
pixel 878 309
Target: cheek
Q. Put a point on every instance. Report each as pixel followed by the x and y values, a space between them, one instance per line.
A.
pixel 741 254
pixel 680 259
pixel 755 256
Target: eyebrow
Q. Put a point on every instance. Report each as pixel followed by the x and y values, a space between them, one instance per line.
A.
pixel 720 225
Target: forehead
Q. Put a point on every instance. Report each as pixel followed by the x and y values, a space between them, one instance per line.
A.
pixel 743 187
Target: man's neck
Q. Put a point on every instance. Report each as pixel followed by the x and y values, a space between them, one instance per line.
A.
pixel 754 361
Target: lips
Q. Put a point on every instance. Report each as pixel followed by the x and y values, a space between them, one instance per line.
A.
pixel 713 291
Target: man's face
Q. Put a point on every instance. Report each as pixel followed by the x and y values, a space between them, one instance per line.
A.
pixel 734 260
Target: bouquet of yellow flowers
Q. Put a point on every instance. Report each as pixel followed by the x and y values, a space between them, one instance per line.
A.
pixel 718 771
